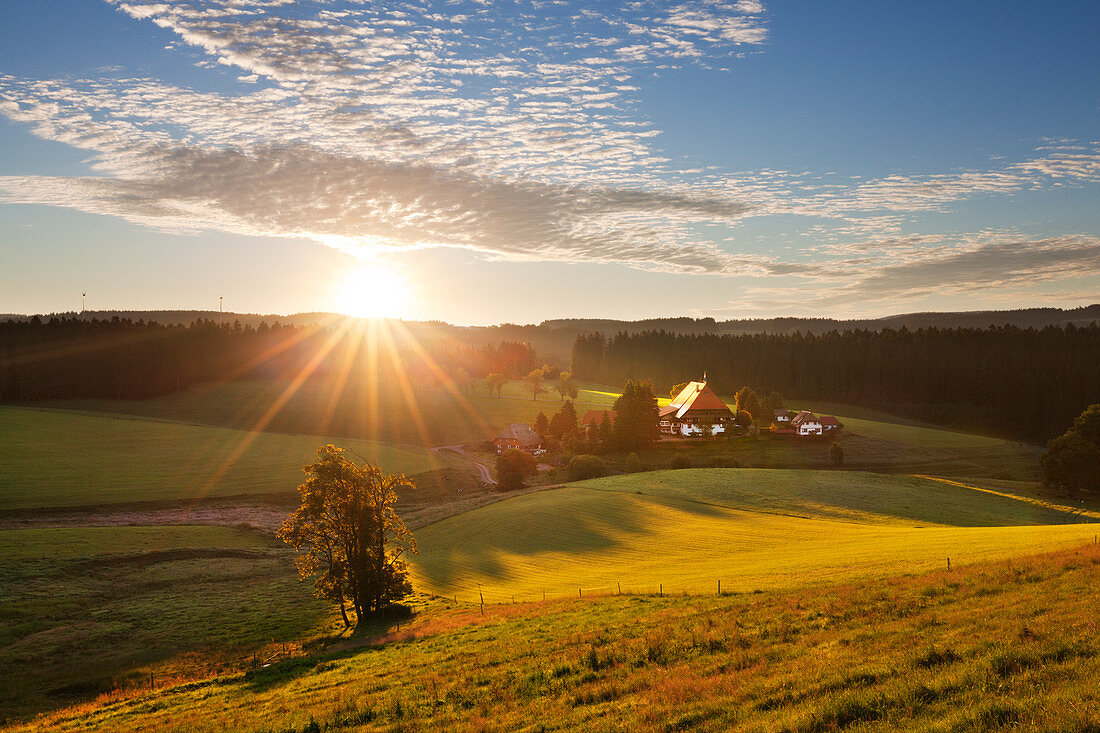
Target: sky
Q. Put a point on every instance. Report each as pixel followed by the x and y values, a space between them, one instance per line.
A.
pixel 483 162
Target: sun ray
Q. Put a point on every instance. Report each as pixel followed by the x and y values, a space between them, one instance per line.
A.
pixel 444 378
pixel 276 406
pixel 406 387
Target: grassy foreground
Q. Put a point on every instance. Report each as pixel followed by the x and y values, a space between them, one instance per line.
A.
pixel 92 609
pixel 750 529
pixel 52 458
pixel 1002 646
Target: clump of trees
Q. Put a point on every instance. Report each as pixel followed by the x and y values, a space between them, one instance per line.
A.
pixel 495 382
pixel 348 536
pixel 748 402
pixel 533 381
pixel 1071 463
pixel 680 461
pixel 513 468
pixel 566 387
pixel 636 411
pixel 584 467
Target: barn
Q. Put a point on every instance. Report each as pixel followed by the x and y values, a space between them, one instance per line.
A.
pixel 694 409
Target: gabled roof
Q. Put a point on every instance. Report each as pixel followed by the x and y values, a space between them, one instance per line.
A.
pixel 830 422
pixel 695 396
pixel 595 417
pixel 520 433
pixel 781 412
pixel 804 417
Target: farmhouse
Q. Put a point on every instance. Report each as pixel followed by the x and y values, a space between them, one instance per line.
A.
pixel 806 423
pixel 782 417
pixel 694 409
pixel 517 435
pixel 830 424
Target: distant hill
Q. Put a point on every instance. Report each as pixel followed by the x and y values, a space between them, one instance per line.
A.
pixel 553 339
pixel 1023 318
pixel 185 318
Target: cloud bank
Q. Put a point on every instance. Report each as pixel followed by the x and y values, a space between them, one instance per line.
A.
pixel 510 129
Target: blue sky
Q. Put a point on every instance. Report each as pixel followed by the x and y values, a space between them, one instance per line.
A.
pixel 512 161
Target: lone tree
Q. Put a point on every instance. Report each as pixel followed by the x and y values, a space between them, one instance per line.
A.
pixel 348 536
pixel 836 454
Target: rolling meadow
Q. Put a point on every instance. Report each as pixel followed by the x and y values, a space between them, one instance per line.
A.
pixel 143 580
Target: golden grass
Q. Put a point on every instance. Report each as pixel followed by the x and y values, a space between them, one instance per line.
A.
pixel 1003 646
pixel 687 530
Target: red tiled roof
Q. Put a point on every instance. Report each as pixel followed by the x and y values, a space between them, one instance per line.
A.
pixel 829 421
pixel 696 396
pixel 595 417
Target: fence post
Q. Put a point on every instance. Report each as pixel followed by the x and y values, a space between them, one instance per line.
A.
pixel 661 589
pixel 579 594
pixel 620 585
pixel 719 587
pixel 948 563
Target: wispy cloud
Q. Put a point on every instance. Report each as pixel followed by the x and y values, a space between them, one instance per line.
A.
pixel 511 129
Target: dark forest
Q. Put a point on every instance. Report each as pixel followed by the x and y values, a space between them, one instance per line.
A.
pixel 1018 383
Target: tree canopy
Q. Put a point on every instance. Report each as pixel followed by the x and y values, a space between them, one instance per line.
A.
pixel 635 424
pixel 348 536
pixel 513 466
pixel 1071 462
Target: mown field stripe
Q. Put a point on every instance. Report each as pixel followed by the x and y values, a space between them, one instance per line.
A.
pixel 1017 497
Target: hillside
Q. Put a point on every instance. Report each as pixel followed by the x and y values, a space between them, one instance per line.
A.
pixel 62 459
pixel 750 529
pixel 1023 318
pixel 1001 646
pixel 90 609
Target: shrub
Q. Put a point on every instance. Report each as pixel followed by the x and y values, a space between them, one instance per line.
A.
pixel 836 454
pixel 680 461
pixel 584 467
pixel 513 466
pixel 634 464
pixel 724 462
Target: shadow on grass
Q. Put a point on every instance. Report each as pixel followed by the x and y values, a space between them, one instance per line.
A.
pixel 323 656
pixel 582 522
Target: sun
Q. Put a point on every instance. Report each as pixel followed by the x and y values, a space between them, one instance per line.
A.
pixel 373 290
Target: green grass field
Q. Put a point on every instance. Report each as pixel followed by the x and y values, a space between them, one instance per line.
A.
pixel 751 529
pixel 418 417
pixel 991 647
pixel 914 435
pixel 91 609
pixel 50 458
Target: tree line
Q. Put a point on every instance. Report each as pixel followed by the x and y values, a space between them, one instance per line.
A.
pixel 1020 383
pixel 118 358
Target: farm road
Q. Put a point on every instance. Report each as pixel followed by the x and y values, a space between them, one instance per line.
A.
pixel 468 458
